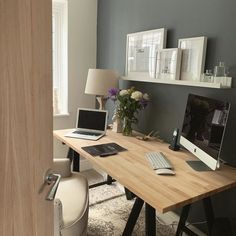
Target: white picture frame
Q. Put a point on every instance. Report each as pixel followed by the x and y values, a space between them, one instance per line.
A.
pixel 168 63
pixel 193 57
pixel 141 49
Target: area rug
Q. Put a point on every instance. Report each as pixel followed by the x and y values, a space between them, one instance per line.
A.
pixel 109 211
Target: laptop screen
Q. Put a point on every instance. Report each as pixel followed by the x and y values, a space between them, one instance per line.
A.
pixel 92 119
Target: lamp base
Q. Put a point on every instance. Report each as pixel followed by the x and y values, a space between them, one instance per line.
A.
pixel 101 101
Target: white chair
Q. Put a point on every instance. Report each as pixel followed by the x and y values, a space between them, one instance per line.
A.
pixel 71 201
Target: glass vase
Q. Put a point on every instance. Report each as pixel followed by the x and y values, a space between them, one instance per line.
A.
pixel 127 127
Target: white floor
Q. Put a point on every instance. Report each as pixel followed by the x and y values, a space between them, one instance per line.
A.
pixel 169 218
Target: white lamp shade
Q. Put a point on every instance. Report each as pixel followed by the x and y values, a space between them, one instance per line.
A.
pixel 99 81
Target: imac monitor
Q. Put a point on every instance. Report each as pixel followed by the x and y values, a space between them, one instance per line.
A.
pixel 203 128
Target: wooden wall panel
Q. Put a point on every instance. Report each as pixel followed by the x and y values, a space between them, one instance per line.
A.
pixel 25 116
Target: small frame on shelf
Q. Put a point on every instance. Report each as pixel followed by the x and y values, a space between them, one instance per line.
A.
pixel 193 57
pixel 168 63
pixel 141 49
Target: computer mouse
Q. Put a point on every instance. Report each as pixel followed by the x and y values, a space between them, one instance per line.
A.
pixel 165 172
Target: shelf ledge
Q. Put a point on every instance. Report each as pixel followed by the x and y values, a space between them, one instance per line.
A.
pixel 184 82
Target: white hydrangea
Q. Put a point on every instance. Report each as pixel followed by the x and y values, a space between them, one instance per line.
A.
pixel 137 95
pixel 123 92
pixel 146 97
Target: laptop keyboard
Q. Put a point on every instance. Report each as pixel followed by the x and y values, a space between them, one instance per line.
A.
pixel 86 133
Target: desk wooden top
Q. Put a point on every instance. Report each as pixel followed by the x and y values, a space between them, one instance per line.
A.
pixel 164 193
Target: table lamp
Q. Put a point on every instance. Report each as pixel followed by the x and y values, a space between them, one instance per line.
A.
pixel 99 81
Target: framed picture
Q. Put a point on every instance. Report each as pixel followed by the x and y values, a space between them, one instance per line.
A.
pixel 193 57
pixel 168 63
pixel 141 49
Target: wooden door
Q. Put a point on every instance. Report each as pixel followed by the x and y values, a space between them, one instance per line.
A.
pixel 25 116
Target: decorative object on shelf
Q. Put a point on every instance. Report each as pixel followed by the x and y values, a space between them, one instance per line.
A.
pixel 193 57
pixel 207 77
pixel 220 76
pixel 153 135
pixel 128 103
pixel 221 70
pixel 141 51
pixel 168 62
pixel 98 82
pixel 191 69
pixel 225 82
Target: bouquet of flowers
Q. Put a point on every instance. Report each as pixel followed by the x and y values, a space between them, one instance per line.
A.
pixel 129 102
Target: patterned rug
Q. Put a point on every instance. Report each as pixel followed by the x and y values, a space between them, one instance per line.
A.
pixel 109 211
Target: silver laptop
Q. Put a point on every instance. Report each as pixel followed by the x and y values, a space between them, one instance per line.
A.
pixel 91 124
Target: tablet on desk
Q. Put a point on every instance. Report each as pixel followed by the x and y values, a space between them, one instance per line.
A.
pixel 103 149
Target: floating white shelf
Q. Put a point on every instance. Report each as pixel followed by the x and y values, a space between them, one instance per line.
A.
pixel 184 82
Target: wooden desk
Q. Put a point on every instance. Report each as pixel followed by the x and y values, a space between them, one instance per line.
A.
pixel 164 193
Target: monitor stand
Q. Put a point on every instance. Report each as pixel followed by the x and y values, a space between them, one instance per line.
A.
pixel 198 166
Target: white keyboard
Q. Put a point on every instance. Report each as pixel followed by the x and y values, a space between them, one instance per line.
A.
pixel 158 160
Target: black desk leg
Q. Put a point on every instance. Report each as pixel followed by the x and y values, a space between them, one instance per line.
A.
pixel 184 215
pixel 76 162
pixel 182 220
pixel 150 220
pixel 70 154
pixel 109 180
pixel 134 214
pixel 129 195
pixel 75 159
pixel 209 213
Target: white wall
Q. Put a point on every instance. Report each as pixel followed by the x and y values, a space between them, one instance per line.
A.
pixel 82 45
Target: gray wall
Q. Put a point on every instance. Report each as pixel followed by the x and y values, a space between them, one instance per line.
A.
pixel 183 19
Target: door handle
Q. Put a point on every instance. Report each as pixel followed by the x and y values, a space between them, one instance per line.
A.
pixel 52 179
